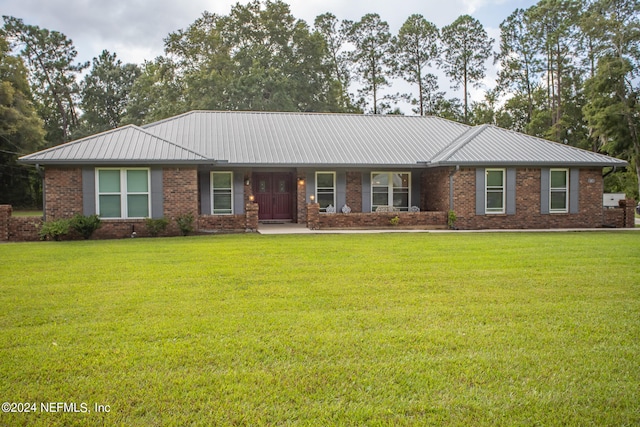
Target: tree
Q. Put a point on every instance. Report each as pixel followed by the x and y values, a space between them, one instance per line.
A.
pixel 49 56
pixel 105 93
pixel 466 47
pixel 415 48
pixel 21 131
pixel 372 56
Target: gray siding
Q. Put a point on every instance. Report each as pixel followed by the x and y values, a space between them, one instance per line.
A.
pixel 341 190
pixel 157 193
pixel 205 192
pixel 511 191
pixel 574 191
pixel 238 192
pixel 480 189
pixel 366 192
pixel 545 185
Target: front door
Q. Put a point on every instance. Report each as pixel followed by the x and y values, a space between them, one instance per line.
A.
pixel 272 191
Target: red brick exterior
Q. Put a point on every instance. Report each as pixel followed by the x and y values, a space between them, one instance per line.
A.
pixel 354 191
pixel 301 196
pixel 63 192
pixel 435 189
pixel 422 220
pixel 528 210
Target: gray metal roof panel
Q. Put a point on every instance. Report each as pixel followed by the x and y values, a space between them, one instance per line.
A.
pixel 309 138
pixel 490 145
pixel 127 144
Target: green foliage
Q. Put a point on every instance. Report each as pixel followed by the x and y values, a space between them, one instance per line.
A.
pixel 471 329
pixel 54 229
pixel 155 225
pixel 395 220
pixel 85 225
pixel 185 223
pixel 451 219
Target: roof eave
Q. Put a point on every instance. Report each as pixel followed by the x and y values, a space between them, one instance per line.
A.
pixel 559 163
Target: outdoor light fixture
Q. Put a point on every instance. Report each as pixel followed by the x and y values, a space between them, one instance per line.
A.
pixel 312 198
pixel 300 181
pixel 247 182
pixel 251 198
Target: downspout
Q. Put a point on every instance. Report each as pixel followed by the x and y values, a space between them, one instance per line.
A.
pixel 610 172
pixel 44 198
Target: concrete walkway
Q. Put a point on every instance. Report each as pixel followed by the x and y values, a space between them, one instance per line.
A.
pixel 291 228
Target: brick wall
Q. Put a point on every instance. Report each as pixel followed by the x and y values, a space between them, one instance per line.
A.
pixel 180 192
pixel 382 220
pixel 5 215
pixel 63 192
pixel 354 191
pixel 301 196
pixel 435 189
pixel 528 214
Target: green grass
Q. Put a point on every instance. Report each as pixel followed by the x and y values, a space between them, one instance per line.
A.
pixel 34 213
pixel 389 329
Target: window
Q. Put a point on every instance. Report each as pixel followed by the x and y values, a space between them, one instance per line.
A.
pixel 222 193
pixel 123 193
pixel 559 191
pixel 325 189
pixel 390 189
pixel 494 191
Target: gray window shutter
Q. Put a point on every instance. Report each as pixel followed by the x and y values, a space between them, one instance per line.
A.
pixel 574 191
pixel 157 196
pixel 341 190
pixel 511 191
pixel 238 192
pixel 366 191
pixel 480 191
pixel 545 176
pixel 88 191
pixel 205 192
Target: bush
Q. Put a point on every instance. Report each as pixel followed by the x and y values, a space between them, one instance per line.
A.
pixel 54 229
pixel 185 223
pixel 85 225
pixel 395 220
pixel 155 226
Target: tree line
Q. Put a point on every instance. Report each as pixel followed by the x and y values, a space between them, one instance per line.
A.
pixel 567 71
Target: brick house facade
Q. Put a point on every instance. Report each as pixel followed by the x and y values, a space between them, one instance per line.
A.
pixel 231 170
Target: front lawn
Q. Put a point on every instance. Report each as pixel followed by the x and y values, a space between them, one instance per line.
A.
pixel 386 329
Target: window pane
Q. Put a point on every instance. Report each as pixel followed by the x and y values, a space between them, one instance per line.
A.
pixel 221 202
pixel 400 180
pixel 325 180
pixel 380 179
pixel 138 206
pixel 494 178
pixel 109 182
pixel 401 200
pixel 494 201
pixel 137 181
pixel 325 199
pixel 380 199
pixel 558 179
pixel 110 206
pixel 222 180
pixel 558 200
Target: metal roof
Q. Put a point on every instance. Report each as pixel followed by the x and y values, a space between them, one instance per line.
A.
pixel 129 144
pixel 299 139
pixel 491 145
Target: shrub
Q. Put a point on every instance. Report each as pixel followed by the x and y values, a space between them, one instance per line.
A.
pixel 155 226
pixel 85 225
pixel 395 220
pixel 185 223
pixel 54 229
pixel 451 219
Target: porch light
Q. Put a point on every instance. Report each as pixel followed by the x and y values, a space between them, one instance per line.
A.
pixel 251 198
pixel 300 181
pixel 312 198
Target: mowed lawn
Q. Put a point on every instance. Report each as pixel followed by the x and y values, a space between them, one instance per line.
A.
pixel 469 329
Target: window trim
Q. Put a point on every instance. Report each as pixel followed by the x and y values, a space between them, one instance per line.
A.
pixel 213 195
pixel 495 189
pixel 124 207
pixel 390 188
pixel 559 189
pixel 333 173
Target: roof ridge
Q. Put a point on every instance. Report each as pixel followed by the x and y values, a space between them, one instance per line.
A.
pixel 458 143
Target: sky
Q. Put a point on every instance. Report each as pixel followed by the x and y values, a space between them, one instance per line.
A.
pixel 135 29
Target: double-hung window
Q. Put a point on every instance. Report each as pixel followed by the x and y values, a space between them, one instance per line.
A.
pixel 221 193
pixel 123 193
pixel 390 189
pixel 326 189
pixel 495 194
pixel 559 191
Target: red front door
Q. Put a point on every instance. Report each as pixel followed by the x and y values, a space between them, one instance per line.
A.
pixel 272 191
